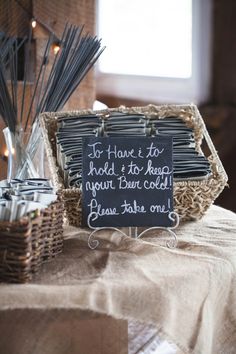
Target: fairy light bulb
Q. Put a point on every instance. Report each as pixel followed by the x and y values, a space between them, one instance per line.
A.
pixel 33 23
pixel 6 152
pixel 56 48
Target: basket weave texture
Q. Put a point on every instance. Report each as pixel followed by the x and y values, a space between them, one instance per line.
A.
pixel 29 242
pixel 191 197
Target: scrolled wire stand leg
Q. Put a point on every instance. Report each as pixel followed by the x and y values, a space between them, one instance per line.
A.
pixel 133 231
pixel 172 243
pixel 93 243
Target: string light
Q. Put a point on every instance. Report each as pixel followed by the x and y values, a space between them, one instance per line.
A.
pixel 6 152
pixel 33 23
pixel 56 48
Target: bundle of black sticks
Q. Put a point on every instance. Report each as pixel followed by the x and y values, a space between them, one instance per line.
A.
pixel 9 48
pixel 77 54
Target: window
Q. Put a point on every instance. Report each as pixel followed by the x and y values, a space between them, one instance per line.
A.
pixel 157 50
pixel 137 45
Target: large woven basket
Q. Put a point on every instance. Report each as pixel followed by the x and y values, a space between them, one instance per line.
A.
pixel 191 197
pixel 29 242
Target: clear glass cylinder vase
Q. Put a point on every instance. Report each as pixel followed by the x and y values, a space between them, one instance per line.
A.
pixel 21 164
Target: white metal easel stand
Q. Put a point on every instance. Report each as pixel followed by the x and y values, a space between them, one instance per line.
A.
pixel 133 231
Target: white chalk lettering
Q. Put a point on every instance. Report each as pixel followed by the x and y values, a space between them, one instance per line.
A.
pixel 98 186
pixel 161 183
pixel 157 171
pixel 140 153
pixel 94 207
pixel 134 169
pixel 159 209
pixel 107 169
pixel 96 153
pixel 153 151
pixel 113 152
pixel 132 208
pixel 124 184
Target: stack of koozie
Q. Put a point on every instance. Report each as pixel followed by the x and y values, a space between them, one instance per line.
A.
pixel 187 162
pixel 19 197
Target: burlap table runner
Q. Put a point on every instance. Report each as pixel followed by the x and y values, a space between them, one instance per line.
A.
pixel 188 293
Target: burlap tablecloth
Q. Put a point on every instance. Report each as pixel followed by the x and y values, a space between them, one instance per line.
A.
pixel 188 293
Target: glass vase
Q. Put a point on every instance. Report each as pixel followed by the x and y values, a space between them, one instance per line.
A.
pixel 20 158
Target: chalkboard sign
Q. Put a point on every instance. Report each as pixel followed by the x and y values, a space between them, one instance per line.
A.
pixel 127 181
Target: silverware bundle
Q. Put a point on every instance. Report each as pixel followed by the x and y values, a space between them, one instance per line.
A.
pixel 19 197
pixel 188 163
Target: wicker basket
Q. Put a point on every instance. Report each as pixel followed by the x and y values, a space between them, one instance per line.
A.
pixel 191 197
pixel 29 242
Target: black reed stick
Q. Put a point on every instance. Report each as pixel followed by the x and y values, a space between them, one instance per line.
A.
pixel 27 59
pixel 49 42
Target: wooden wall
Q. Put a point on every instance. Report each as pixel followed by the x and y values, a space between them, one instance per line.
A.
pixel 224 53
pixel 220 113
pixel 14 18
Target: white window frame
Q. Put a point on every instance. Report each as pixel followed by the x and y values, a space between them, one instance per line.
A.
pixel 195 89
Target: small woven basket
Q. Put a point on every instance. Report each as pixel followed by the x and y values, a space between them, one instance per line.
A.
pixel 191 197
pixel 29 242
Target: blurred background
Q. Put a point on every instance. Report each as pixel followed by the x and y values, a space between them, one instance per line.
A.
pixel 157 51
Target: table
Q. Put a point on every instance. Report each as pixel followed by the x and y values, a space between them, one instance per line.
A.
pixel 188 294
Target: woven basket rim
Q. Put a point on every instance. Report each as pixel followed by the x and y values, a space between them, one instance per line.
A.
pixel 190 111
pixel 24 220
pixel 27 218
